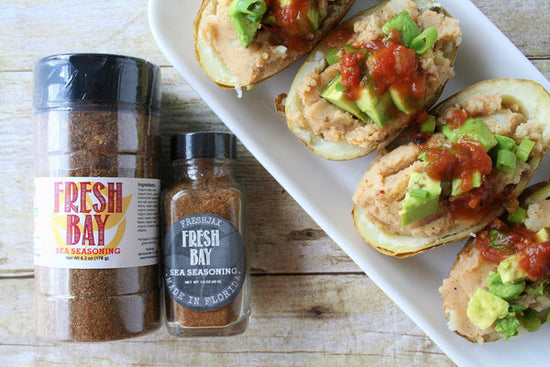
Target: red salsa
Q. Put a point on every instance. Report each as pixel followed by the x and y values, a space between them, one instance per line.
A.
pixel 474 204
pixel 501 240
pixel 387 63
pixel 352 67
pixel 462 160
pixel 293 25
pixel 457 119
pixel 392 64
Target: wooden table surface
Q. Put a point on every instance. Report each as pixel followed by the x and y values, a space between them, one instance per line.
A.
pixel 312 306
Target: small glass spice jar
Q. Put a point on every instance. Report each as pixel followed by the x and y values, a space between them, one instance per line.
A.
pixel 206 282
pixel 96 197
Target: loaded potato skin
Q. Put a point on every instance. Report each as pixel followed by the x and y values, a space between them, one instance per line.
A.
pixel 475 156
pixel 369 77
pixel 498 286
pixel 240 43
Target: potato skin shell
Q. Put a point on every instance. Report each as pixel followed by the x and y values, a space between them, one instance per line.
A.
pixel 316 59
pixel 535 103
pixel 216 70
pixel 534 193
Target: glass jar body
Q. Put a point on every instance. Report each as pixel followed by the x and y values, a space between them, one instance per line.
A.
pixel 205 190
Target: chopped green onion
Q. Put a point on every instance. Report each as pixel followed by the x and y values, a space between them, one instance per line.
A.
pixel 422 156
pixel 506 161
pixel 349 48
pixel 517 308
pixel 419 193
pixel 424 40
pixel 505 142
pixel 332 56
pixel 339 87
pixel 518 216
pixel 529 320
pixel 524 149
pixel 252 9
pixel 245 16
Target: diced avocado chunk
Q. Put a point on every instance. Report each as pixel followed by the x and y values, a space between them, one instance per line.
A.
pixel 245 16
pixel 405 25
pixel 333 94
pixel 484 308
pixel 542 235
pixel 376 107
pixel 410 33
pixel 313 16
pixel 507 326
pixel 517 216
pixel 421 199
pixel 428 126
pixel 509 271
pixel 457 189
pixel 507 291
pixel 401 101
pixel 506 161
pixel 472 129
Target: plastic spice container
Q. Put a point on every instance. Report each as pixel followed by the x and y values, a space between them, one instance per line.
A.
pixel 96 228
pixel 206 283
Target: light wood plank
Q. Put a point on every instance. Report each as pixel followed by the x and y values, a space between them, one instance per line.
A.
pixel 524 22
pixel 34 29
pixel 296 320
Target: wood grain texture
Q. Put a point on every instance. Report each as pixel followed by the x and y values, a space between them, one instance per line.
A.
pixel 312 305
pixel 297 320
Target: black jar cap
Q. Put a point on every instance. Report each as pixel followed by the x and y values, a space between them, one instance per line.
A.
pixel 203 145
pixel 96 78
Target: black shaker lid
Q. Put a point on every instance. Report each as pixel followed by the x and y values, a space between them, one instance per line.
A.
pixel 203 145
pixel 97 78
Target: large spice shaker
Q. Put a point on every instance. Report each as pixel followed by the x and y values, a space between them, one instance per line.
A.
pixel 206 283
pixel 96 227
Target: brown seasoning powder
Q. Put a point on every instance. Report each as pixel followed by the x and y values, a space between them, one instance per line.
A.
pixel 96 304
pixel 213 193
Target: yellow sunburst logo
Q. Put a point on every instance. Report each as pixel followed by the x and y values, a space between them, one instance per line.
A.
pixel 92 226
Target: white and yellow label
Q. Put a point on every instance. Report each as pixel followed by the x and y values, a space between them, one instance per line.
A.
pixel 95 223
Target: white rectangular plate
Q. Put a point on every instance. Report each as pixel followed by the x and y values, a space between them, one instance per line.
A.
pixel 324 188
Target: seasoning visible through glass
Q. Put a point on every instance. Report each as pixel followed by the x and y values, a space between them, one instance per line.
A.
pixel 205 270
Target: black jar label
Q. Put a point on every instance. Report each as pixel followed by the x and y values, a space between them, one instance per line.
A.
pixel 204 262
